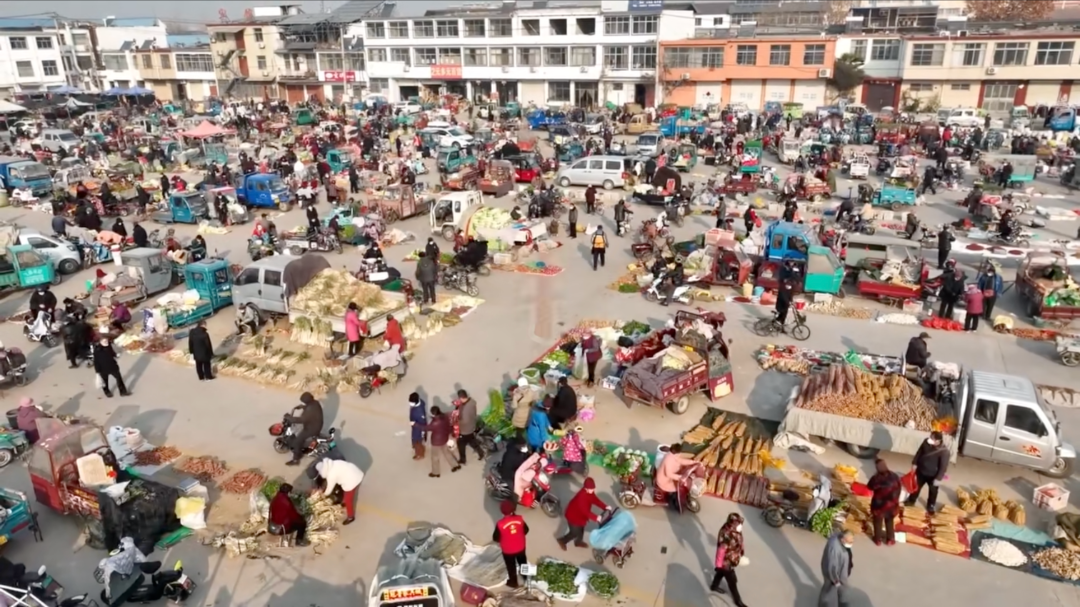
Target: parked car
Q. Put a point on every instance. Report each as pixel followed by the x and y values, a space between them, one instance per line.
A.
pixel 605 171
pixel 649 144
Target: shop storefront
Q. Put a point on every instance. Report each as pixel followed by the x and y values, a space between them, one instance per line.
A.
pixel 342 84
pixel 586 94
pixel 508 91
pixel 447 81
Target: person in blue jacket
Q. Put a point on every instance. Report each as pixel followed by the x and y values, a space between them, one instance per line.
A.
pixel 417 419
pixel 537 432
pixel 991 285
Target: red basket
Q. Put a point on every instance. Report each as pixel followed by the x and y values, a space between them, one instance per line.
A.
pixel 277 429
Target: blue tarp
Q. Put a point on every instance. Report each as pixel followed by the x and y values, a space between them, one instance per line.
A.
pixel 66 90
pixel 117 91
pixel 615 530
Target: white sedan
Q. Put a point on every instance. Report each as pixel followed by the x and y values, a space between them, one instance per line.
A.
pixel 409 107
pixel 452 137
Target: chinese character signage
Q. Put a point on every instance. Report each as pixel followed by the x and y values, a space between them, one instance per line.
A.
pixel 339 76
pixel 446 72
pixel 415 596
pixel 645 6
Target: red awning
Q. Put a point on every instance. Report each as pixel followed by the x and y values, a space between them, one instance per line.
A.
pixel 206 129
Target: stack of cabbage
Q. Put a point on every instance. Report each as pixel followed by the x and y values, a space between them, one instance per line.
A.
pixel 328 296
pixel 489 218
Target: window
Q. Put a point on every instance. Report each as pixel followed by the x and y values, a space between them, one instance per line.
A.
pixel 557 27
pixel 986 411
pixel 927 54
pixel 272 278
pixel 376 55
pixel 40 243
pixel 375 30
pixel 398 29
pixel 474 28
pixel 779 54
pixel 555 56
pixel 586 26
pixel 194 63
pixel 746 54
pixel 643 57
pixel 615 58
pixel 147 62
pixel 18 43
pixel 530 27
pixel 558 91
pixel 355 62
pixel 85 62
pixel 1024 420
pixel 400 55
pixel 1054 53
pixel 885 50
pixel 960 87
pixel 426 56
pixel 501 28
pixel 583 56
pixel 447 29
pixel 920 87
pixel 423 29
pixel 260 62
pixel 529 57
pixel 331 61
pixel 44 42
pixel 476 56
pixel 116 63
pixel 501 57
pixel 1010 53
pixel 249 276
pixel 645 24
pixel 379 85
pixel 166 62
pixel 450 56
pixel 711 56
pixel 858 49
pixel 968 54
pixel 814 54
pixel 49 68
pixel 258 33
pixel 998 97
pixel 616 26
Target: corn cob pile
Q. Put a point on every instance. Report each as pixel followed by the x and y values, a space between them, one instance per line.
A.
pixel 732 459
pixel 849 392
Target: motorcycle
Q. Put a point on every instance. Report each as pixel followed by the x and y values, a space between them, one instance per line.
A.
pixel 691 486
pixel 46 333
pixel 654 294
pixel 1018 238
pixel 452 277
pixel 15 362
pixel 537 494
pixel 285 432
pixel 258 248
pixel 321 241
pixel 786 510
pixel 624 226
pixel 855 223
pixel 174 585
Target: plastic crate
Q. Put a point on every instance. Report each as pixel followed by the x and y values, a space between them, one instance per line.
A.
pixel 1051 497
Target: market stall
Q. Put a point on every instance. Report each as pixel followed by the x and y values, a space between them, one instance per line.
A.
pixel 735 451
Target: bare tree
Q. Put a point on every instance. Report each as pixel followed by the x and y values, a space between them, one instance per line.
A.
pixel 837 11
pixel 1010 10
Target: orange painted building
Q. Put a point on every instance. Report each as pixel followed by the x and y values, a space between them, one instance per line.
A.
pixel 752 71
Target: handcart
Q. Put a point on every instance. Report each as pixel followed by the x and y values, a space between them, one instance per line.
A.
pixel 614 537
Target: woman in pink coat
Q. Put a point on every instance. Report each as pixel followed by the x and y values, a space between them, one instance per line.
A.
pixel 354 329
pixel 973 301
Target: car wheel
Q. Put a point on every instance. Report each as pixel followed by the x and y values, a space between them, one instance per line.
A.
pixel 296 251
pixel 609 184
pixel 6 457
pixel 69 266
pixel 564 182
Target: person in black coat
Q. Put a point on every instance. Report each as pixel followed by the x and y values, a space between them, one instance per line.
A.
pixel 165 185
pixel 311 416
pixel 106 366
pixel 945 239
pixel 72 337
pixel 564 405
pixel 313 219
pixel 119 228
pixel 952 287
pixel 43 299
pixel 202 350
pixel 354 180
pixel 929 176
pixel 143 198
pixel 783 302
pixel 138 235
pixel 930 463
pixel 918 353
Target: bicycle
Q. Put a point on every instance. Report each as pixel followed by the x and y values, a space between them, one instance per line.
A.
pixel 796 327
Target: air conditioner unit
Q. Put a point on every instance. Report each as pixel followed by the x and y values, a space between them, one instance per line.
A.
pixel 824 73
pixel 584 69
pixel 990 71
pixel 406 68
pixel 685 76
pixel 532 69
pixel 262 45
pixel 506 69
pixel 266 73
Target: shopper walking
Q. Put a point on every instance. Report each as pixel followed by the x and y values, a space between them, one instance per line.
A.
pixel 729 555
pixel 510 532
pixel 427 273
pixel 591 348
pixel 599 247
pixel 355 329
pixel 417 420
pixel 106 366
pixel 571 222
pixel 930 464
pixel 991 285
pixel 884 503
pixel 466 406
pixel 579 512
pixel 439 431
pixel 973 302
pixel 836 564
pixel 202 350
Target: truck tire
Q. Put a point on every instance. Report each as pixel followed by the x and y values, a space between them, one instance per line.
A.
pixel 69 266
pixel 859 451
pixel 1063 468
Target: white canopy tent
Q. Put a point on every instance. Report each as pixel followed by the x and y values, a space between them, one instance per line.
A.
pixel 7 107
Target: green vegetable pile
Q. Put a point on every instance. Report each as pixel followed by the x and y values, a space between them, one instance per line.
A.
pixel 604 585
pixel 558 358
pixel 635 328
pixel 558 576
pixel 628 287
pixel 494 417
pixel 822 521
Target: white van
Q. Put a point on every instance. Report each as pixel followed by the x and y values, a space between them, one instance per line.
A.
pixel 965 117
pixel 606 171
pixel 56 139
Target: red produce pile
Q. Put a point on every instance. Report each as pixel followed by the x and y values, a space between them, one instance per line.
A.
pixel 943 324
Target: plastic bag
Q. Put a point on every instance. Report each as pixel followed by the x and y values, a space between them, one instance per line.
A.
pixel 190 511
pixel 579 364
pixel 258 505
pixel 909 482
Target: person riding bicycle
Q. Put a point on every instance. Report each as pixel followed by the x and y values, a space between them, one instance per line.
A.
pixel 783 303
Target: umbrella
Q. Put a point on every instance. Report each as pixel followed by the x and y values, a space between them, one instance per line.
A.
pixel 7 107
pixel 115 91
pixel 134 91
pixel 66 90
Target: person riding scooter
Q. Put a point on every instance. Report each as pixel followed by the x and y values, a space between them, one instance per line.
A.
pixel 669 474
pixel 516 454
pixel 674 279
pixel 524 476
pixel 311 417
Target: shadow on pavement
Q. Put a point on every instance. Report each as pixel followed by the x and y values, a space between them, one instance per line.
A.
pixel 803 578
pixel 153 423
pixel 683 587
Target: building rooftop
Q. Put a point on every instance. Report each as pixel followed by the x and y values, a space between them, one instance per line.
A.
pixel 187 39
pixel 17 24
pixel 131 22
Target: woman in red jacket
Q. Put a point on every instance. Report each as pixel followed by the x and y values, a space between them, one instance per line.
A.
pixel 579 513
pixel 283 514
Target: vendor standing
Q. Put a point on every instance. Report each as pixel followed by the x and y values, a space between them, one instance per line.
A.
pixel 564 407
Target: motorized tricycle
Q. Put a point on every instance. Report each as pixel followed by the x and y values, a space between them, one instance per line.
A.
pixel 691 485
pixel 322 241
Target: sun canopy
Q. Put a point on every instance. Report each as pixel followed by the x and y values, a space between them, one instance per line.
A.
pixel 7 107
pixel 204 130
pixel 66 90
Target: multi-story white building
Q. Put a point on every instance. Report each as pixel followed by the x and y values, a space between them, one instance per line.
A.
pixel 559 51
pixel 117 41
pixel 38 54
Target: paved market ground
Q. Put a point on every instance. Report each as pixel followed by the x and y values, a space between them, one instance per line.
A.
pixel 522 316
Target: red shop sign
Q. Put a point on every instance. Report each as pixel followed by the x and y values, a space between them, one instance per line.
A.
pixel 340 76
pixel 446 72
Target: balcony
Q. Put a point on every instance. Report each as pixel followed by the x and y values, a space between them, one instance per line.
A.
pixel 298 76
